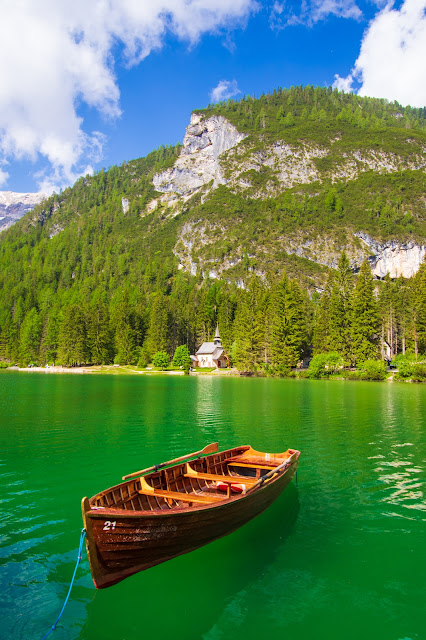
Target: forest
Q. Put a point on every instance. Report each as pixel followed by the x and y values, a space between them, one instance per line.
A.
pixel 92 276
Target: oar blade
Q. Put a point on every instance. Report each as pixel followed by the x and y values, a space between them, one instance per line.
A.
pixel 211 448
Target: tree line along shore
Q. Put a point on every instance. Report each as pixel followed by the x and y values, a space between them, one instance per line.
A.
pixel 355 328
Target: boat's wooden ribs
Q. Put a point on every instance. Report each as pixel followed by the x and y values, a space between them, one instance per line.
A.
pixel 127 496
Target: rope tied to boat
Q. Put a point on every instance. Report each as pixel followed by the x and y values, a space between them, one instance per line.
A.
pixel 79 558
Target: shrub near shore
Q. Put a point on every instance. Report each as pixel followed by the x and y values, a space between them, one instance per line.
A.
pixel 325 365
pixel 410 367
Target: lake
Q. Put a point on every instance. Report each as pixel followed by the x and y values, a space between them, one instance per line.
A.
pixel 340 556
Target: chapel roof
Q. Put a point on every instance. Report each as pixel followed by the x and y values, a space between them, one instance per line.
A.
pixel 208 348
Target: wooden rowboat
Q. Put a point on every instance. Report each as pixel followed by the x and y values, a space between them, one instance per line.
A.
pixel 162 512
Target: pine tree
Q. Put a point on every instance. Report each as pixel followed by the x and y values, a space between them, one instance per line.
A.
pixel 365 325
pixel 389 326
pixel 123 323
pixel 402 304
pixel 226 315
pixel 418 305
pixel 158 330
pixel 287 324
pixel 125 345
pixel 29 339
pixel 5 340
pixel 72 340
pixel 340 308
pixel 321 333
pixel 248 329
pixel 49 342
pixel 99 337
pixel 243 347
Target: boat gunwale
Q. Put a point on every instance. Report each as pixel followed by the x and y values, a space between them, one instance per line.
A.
pixel 101 512
pixel 98 543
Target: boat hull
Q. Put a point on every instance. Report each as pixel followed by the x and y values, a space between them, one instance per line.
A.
pixel 121 543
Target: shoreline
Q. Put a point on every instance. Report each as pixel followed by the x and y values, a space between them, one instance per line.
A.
pixel 111 369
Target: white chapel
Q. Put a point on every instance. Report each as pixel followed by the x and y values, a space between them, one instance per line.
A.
pixel 211 354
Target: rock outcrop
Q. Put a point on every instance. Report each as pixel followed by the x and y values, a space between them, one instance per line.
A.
pixel 15 205
pixel 393 258
pixel 198 164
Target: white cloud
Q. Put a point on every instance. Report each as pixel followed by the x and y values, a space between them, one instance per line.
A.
pixel 278 17
pixel 392 60
pixel 55 55
pixel 4 176
pixel 340 8
pixel 343 84
pixel 313 11
pixel 224 90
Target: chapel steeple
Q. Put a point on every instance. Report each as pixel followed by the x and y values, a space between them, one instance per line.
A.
pixel 216 339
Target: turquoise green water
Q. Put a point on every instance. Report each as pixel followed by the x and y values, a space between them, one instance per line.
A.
pixel 341 555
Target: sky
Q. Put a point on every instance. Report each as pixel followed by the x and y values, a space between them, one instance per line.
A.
pixel 86 85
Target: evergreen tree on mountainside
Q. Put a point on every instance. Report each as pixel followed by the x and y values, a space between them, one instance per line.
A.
pixel 321 334
pixel 158 331
pixel 72 341
pixel 226 315
pixel 365 323
pixel 249 328
pixel 418 308
pixel 265 314
pixel 30 336
pixel 389 326
pixel 181 306
pixel 339 319
pixel 288 326
pixel 125 324
pixel 207 316
pixel 402 295
pixel 126 352
pixel 4 345
pixel 99 338
pixel 49 341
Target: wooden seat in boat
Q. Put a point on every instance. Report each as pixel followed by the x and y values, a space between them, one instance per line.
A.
pixel 253 459
pixel 252 465
pixel 192 473
pixel 147 490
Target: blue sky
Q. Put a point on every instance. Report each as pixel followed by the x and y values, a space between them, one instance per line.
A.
pixel 89 88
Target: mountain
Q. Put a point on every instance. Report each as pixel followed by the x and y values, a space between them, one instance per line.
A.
pixel 161 248
pixel 15 205
pixel 322 177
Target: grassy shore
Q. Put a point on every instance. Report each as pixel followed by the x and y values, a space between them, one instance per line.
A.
pixel 113 369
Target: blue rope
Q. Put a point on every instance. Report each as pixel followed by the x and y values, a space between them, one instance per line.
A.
pixel 82 536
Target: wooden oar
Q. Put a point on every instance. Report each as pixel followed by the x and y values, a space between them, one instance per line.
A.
pixel 271 473
pixel 211 448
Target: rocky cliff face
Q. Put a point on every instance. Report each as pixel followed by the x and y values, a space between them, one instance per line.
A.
pixel 204 143
pixel 292 165
pixel 214 152
pixel 393 258
pixel 15 205
pixel 211 155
